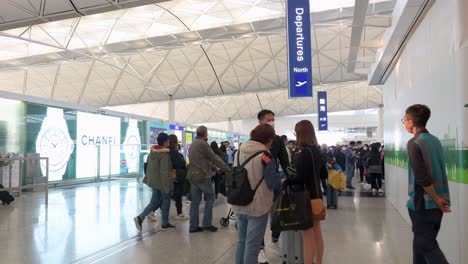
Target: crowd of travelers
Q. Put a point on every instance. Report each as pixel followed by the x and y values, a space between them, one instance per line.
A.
pixel 256 178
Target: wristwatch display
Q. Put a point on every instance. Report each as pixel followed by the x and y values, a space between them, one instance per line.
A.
pixel 55 143
pixel 131 146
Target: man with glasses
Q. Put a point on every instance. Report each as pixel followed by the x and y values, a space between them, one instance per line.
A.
pixel 428 186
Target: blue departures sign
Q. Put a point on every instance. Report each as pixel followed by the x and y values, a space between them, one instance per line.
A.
pixel 322 111
pixel 176 127
pixel 299 49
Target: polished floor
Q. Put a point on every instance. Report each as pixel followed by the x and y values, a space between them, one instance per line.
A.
pixel 93 224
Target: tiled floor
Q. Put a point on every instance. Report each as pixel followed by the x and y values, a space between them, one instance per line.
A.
pixel 93 224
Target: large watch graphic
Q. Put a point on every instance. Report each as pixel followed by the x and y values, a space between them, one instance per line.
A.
pixel 131 146
pixel 55 143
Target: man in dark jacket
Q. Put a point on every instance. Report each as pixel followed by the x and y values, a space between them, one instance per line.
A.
pixel 277 149
pixel 280 155
pixel 361 158
pixel 201 157
pixel 340 156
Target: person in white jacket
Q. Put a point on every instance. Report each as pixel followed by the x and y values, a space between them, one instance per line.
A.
pixel 253 218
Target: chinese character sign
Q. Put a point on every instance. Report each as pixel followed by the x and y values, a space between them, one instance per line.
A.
pixel 322 111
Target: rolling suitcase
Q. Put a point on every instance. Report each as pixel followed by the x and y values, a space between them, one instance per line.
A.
pixel 292 250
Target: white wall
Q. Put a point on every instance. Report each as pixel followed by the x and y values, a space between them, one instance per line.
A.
pixel 433 71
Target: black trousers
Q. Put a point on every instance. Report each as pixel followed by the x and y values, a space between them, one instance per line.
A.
pixel 426 226
pixel 376 180
pixel 361 171
pixel 177 195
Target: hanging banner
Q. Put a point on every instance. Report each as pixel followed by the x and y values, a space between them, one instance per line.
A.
pixel 299 49
pixel 322 111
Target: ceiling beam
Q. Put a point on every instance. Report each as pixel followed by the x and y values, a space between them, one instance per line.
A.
pixel 360 11
pixel 378 21
pixel 41 18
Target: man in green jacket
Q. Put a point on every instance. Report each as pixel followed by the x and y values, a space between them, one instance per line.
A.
pixel 428 186
pixel 159 177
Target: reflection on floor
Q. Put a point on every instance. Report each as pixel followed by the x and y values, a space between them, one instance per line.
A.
pixel 93 224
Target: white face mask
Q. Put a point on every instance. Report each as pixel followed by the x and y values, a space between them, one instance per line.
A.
pixel 271 123
pixel 343 148
pixel 364 148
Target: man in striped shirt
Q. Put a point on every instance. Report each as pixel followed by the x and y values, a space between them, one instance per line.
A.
pixel 428 186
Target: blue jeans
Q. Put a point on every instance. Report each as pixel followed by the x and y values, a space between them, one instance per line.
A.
pixel 158 199
pixel 332 196
pixel 251 231
pixel 349 176
pixel 205 188
pixel 426 226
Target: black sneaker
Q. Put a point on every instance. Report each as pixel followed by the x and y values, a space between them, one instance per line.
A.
pixel 199 229
pixel 138 222
pixel 211 228
pixel 168 227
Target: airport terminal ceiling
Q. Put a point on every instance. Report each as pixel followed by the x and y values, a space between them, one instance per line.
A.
pixel 218 59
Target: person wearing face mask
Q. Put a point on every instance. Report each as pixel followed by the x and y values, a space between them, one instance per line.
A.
pixel 359 160
pixel 280 156
pixel 362 153
pixel 350 164
pixel 340 156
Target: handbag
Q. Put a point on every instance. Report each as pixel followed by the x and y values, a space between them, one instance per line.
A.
pixel 318 210
pixel 337 179
pixel 291 211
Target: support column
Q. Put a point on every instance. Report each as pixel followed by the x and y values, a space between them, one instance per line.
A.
pixel 172 114
pixel 380 128
pixel 230 125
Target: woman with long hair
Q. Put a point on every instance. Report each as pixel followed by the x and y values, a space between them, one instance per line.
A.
pixel 217 174
pixel 179 165
pixel 308 164
pixel 224 154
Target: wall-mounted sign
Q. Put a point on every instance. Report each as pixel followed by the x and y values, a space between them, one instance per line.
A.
pixel 55 143
pixel 299 48
pixel 188 142
pixel 322 111
pixel 94 131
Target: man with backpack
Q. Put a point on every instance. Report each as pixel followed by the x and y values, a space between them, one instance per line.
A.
pixel 280 156
pixel 201 157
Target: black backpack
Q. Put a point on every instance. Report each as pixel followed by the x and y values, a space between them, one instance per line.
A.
pixel 240 193
pixel 6 197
